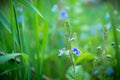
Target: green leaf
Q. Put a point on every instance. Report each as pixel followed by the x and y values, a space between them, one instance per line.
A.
pixel 78 72
pixel 31 7
pixel 7 57
pixel 5 22
pixel 85 57
pixel 86 76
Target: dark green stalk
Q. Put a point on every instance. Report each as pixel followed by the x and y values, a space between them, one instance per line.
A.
pixel 37 43
pixel 22 46
pixel 19 39
pixel 12 23
pixel 12 29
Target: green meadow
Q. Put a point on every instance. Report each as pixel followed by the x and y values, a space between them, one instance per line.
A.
pixel 59 40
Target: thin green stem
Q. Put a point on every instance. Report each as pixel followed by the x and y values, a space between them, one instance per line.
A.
pixel 69 46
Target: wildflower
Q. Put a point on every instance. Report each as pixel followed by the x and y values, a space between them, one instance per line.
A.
pixel 61 34
pixel 19 19
pixel 20 10
pixel 76 51
pixel 61 51
pixel 60 42
pixel 54 8
pixel 110 71
pixel 63 14
pixel 96 71
pixel 67 52
pixel 108 25
pixel 107 16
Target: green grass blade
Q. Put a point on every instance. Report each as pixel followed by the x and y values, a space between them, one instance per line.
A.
pixel 45 33
pixel 7 25
pixel 30 6
pixel 4 21
pixel 7 57
pixel 43 45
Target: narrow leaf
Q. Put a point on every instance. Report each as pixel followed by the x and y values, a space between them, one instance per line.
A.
pixel 7 57
pixel 31 7
pixel 5 22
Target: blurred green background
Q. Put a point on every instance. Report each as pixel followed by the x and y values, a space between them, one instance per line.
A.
pixel 33 31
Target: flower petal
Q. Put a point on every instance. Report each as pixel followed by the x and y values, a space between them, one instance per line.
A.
pixel 61 51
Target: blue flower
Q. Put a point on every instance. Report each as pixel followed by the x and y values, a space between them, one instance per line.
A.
pixel 63 14
pixel 76 51
pixel 19 19
pixel 96 71
pixel 54 8
pixel 107 16
pixel 61 52
pixel 108 25
pixel 61 34
pixel 20 10
pixel 61 43
pixel 110 71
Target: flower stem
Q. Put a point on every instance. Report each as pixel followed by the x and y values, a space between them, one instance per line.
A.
pixel 69 46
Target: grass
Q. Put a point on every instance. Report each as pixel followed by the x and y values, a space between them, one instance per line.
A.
pixel 31 36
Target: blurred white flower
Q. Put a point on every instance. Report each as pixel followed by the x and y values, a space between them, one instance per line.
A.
pixel 61 51
pixel 67 52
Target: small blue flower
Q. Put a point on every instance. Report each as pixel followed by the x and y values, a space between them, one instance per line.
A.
pixel 96 71
pixel 63 14
pixel 61 52
pixel 19 19
pixel 107 16
pixel 76 51
pixel 61 34
pixel 54 8
pixel 110 71
pixel 61 43
pixel 20 10
pixel 108 25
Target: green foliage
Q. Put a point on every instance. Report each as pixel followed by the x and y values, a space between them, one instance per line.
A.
pixel 31 7
pixel 84 57
pixel 79 72
pixel 6 57
pixel 35 32
pixel 4 21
